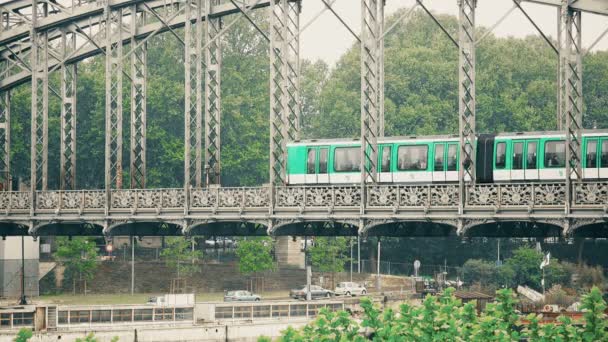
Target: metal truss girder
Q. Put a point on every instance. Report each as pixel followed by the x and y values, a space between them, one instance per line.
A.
pixel 39 119
pixel 466 85
pixel 113 74
pixel 284 83
pixel 193 94
pixel 137 158
pixel 5 140
pixel 68 116
pixel 370 35
pixel 213 64
pixel 591 6
pixel 381 32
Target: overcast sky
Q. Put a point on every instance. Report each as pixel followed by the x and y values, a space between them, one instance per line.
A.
pixel 327 39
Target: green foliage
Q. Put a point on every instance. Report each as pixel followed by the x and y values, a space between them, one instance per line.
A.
pixel 444 318
pixel 23 335
pixel 78 255
pixel 329 254
pixel 178 254
pixel 91 338
pixel 255 255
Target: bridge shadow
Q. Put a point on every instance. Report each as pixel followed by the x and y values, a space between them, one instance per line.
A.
pixel 316 228
pixel 153 228
pixel 68 229
pixel 515 229
pixel 228 229
pixel 595 230
pixel 412 229
pixel 13 229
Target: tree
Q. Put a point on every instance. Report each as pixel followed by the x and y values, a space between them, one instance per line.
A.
pixel 23 335
pixel 79 256
pixel 328 254
pixel 178 254
pixel 255 256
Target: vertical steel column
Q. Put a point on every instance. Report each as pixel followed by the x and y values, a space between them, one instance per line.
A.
pixel 40 101
pixel 137 158
pixel 369 91
pixel 562 13
pixel 113 165
pixel 284 83
pixel 466 85
pixel 193 94
pixel 5 140
pixel 68 115
pixel 573 97
pixel 213 64
pixel 381 119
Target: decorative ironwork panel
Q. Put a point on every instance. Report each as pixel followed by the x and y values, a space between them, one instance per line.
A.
pixel 383 195
pixel 347 196
pixel 230 197
pixel 319 196
pixel 20 200
pixel 149 199
pixel 549 194
pixel 71 199
pixel 47 199
pixel 94 200
pixel 213 65
pixel 414 196
pixel 173 198
pixel 290 196
pixel 203 198
pixel 466 86
pixel 484 195
pixel 444 195
pixel 591 194
pixel 137 158
pixel 517 194
pixel 5 200
pixel 123 199
pixel 257 197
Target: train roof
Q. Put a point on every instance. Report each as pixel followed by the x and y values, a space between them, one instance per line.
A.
pixel 452 137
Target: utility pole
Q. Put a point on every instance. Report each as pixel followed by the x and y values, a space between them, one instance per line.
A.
pixel 132 264
pixel 308 269
pixel 23 299
pixel 351 259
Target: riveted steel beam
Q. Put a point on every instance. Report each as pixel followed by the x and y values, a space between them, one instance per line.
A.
pixel 193 94
pixel 381 4
pixel 137 158
pixel 213 65
pixel 370 34
pixel 5 140
pixel 113 74
pixel 68 115
pixel 466 85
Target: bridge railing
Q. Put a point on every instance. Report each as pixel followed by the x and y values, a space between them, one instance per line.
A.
pixel 318 196
pixel 591 194
pixel 15 201
pixel 70 200
pixel 412 196
pixel 225 198
pixel 526 195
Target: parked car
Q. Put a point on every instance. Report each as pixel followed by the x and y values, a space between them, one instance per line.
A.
pixel 241 296
pixel 220 243
pixel 315 292
pixel 348 288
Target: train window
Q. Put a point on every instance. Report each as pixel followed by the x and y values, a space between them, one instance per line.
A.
pixel 323 160
pixel 555 154
pixel 518 155
pixel 501 155
pixel 591 153
pixel 386 159
pixel 347 159
pixel 531 155
pixel 439 157
pixel 452 157
pixel 412 157
pixel 310 161
pixel 604 161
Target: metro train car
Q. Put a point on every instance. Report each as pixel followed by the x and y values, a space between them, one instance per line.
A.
pixel 504 157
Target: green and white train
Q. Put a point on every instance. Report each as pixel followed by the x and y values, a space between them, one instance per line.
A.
pixel 505 157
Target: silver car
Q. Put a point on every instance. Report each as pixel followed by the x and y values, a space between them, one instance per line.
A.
pixel 241 296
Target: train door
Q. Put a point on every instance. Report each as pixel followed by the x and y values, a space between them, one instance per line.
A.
pixel 590 161
pixel 603 170
pixel 311 166
pixel 384 163
pixel 517 160
pixel 501 169
pixel 439 162
pixel 531 162
pixel 451 166
pixel 323 165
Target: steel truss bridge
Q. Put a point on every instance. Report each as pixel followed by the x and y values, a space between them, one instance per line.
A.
pixel 39 38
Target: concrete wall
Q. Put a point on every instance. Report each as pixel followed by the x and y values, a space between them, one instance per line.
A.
pixel 289 252
pixel 10 266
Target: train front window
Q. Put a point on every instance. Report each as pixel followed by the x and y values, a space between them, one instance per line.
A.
pixel 323 160
pixel 438 157
pixel 310 161
pixel 452 157
pixel 412 158
pixel 531 155
pixel 501 154
pixel 604 154
pixel 555 154
pixel 591 153
pixel 386 159
pixel 518 153
pixel 347 159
